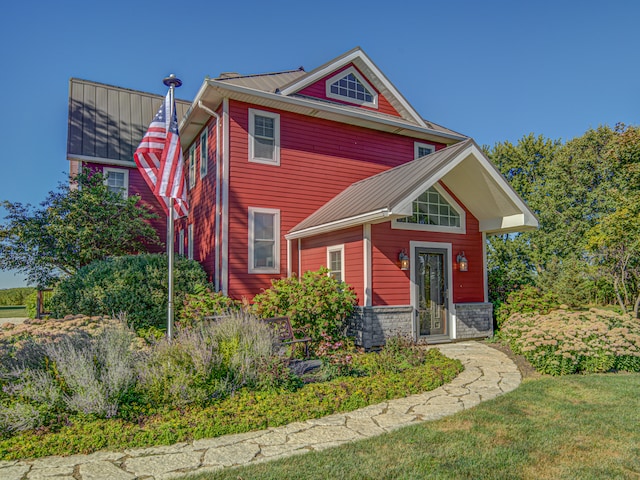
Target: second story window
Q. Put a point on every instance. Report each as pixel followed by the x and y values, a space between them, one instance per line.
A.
pixel 204 154
pixel 264 137
pixel 422 149
pixel 192 166
pixel 350 86
pixel 117 181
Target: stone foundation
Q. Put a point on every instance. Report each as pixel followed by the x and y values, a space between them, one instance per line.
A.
pixel 474 320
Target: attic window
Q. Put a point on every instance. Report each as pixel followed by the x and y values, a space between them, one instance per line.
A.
pixel 350 86
pixel 434 210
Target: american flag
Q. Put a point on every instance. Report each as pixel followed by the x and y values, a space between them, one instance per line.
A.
pixel 159 160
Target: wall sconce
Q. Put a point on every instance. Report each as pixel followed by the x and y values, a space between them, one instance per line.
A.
pixel 404 260
pixel 463 263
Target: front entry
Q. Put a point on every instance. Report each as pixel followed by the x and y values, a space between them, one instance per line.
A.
pixel 432 295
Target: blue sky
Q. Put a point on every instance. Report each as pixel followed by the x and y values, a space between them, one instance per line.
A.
pixel 494 70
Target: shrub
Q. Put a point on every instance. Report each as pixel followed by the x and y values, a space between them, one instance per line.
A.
pixel 317 303
pixel 210 360
pixel 134 284
pixel 563 342
pixel 528 299
pixel 204 303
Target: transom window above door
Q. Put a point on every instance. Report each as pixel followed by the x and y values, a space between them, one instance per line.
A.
pixel 350 86
pixel 434 210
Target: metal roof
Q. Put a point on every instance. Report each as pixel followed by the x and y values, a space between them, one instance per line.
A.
pixel 108 122
pixel 267 82
pixel 383 191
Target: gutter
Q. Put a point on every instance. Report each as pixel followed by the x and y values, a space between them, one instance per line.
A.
pixel 371 217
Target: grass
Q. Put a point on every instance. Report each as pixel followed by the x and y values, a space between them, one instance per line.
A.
pixel 569 427
pixel 13 312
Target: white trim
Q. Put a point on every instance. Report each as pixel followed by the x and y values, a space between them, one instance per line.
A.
pixel 289 260
pixel 485 273
pixel 462 229
pixel 451 327
pixel 100 160
pixel 418 145
pixel 332 249
pixel 192 166
pixel 370 217
pixel 340 62
pixel 299 257
pixel 125 187
pixel 204 152
pixel 190 241
pixel 366 246
pixel 181 242
pixel 276 137
pixel 351 71
pixel 276 238
pixel 224 274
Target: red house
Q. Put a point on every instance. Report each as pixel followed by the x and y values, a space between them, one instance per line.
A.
pixel 294 170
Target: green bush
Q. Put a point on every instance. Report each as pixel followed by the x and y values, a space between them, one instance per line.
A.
pixel 15 296
pixel 528 299
pixel 205 303
pixel 133 284
pixel 316 303
pixel 564 342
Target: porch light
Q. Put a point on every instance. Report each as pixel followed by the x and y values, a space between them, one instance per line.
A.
pixel 404 260
pixel 463 263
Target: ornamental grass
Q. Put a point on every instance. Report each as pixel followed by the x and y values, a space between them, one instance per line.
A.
pixel 564 342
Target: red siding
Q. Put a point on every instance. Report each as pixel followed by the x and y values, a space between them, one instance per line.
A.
pixel 314 256
pixel 138 186
pixel 319 90
pixel 391 286
pixel 318 159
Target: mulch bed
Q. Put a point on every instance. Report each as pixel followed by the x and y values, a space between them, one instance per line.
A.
pixel 526 370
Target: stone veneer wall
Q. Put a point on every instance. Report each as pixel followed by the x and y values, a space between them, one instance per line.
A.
pixel 474 320
pixel 370 326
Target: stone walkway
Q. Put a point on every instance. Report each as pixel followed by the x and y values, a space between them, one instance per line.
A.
pixel 488 373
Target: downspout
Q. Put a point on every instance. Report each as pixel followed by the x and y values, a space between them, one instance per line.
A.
pixel 217 211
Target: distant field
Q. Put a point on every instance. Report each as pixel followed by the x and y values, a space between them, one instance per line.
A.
pixel 13 312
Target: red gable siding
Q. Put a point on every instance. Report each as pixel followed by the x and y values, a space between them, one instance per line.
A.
pixel 391 285
pixel 314 256
pixel 319 90
pixel 318 159
pixel 138 186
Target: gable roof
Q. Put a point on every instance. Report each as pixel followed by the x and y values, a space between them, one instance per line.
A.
pixel 267 82
pixel 371 72
pixel 107 123
pixel 462 167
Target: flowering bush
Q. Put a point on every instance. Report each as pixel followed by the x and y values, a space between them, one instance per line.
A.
pixel 564 342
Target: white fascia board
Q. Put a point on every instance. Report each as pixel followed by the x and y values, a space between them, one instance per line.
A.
pixel 103 161
pixel 187 116
pixel 513 223
pixel 370 217
pixel 331 108
pixel 360 55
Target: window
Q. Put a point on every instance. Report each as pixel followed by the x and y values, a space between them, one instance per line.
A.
pixel 335 262
pixel 351 87
pixel 181 242
pixel 117 181
pixel 190 242
pixel 264 137
pixel 422 149
pixel 192 166
pixel 264 240
pixel 204 154
pixel 435 210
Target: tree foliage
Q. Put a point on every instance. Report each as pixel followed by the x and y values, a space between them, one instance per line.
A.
pixel 79 223
pixel 585 194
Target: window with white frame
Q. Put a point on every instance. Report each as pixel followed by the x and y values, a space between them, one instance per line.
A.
pixel 350 86
pixel 436 211
pixel 190 242
pixel 117 181
pixel 335 262
pixel 181 242
pixel 422 149
pixel 264 137
pixel 204 154
pixel 264 240
pixel 192 166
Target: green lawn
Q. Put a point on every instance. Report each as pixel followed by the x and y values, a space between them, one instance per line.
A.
pixel 13 312
pixel 572 427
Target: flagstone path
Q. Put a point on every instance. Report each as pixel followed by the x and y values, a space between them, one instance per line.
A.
pixel 488 373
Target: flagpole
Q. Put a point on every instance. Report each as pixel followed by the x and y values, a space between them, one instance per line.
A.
pixel 172 82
